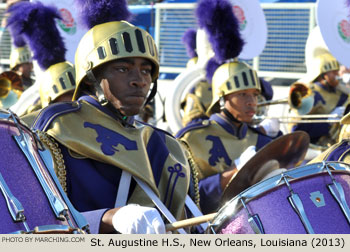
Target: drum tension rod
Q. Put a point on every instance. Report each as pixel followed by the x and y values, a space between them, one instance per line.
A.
pixel 297 205
pixel 13 204
pixel 254 220
pixel 337 192
pixel 56 203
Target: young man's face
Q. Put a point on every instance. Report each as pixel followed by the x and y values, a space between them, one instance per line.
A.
pixel 331 78
pixel 26 69
pixel 129 82
pixel 242 104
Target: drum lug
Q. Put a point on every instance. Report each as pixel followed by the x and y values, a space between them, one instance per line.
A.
pixel 337 192
pixel 298 207
pixel 253 220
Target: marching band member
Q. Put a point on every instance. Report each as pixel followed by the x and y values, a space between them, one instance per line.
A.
pixel 108 156
pixel 57 82
pixel 327 99
pixel 340 150
pixel 197 101
pixel 217 144
pixel 21 63
pixel 20 57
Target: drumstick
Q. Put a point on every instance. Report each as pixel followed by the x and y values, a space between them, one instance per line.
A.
pixel 189 222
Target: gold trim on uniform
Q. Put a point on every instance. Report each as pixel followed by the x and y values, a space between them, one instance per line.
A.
pixel 59 166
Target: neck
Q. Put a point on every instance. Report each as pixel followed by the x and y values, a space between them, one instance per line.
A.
pixel 229 116
pixel 123 119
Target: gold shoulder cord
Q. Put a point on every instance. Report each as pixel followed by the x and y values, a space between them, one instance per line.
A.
pixel 194 172
pixel 59 167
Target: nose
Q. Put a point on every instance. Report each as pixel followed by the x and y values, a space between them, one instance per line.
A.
pixel 137 79
pixel 252 100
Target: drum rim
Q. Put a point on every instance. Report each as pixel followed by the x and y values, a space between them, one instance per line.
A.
pixel 265 185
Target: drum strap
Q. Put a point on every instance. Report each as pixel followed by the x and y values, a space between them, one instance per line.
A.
pixel 122 195
pixel 123 189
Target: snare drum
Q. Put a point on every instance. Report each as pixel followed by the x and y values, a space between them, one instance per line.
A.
pixel 309 199
pixel 31 198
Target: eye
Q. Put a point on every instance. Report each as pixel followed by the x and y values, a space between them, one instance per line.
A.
pixel 147 71
pixel 121 69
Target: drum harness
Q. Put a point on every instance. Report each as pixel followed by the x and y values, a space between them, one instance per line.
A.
pixel 123 189
pixel 125 181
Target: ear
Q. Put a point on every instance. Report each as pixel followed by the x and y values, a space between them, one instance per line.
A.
pixel 87 82
pixel 91 81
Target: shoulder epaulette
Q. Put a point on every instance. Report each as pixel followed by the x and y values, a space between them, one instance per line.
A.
pixel 48 114
pixel 189 127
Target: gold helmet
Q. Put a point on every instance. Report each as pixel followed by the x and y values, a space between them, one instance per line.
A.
pixel 57 80
pixel 19 56
pixel 229 78
pixel 192 62
pixel 111 41
pixel 321 64
pixel 5 87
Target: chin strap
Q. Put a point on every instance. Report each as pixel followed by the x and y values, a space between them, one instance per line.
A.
pixel 153 92
pixel 100 95
pixel 104 102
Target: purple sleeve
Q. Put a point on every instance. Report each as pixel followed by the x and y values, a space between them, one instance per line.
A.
pixel 210 193
pixel 94 219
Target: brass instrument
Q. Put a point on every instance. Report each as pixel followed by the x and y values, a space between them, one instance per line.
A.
pixel 11 88
pixel 300 98
pixel 322 118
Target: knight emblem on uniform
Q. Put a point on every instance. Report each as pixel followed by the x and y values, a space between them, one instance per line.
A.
pixel 110 139
pixel 217 151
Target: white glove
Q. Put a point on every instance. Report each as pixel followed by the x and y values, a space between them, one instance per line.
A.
pixel 135 219
pixel 271 126
pixel 245 157
pixel 346 78
pixel 338 111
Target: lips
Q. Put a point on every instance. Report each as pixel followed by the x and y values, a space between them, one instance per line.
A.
pixel 137 94
pixel 137 98
pixel 251 113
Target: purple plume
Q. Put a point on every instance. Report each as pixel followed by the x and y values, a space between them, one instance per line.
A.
pixel 222 27
pixel 189 40
pixel 17 39
pixel 94 12
pixel 36 23
pixel 210 68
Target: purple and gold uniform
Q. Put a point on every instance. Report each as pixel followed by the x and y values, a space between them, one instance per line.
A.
pixel 215 144
pixel 196 103
pixel 96 147
pixel 341 150
pixel 326 99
